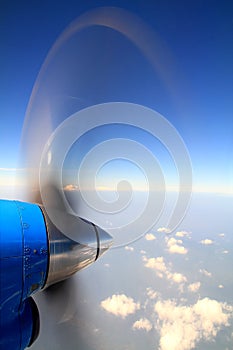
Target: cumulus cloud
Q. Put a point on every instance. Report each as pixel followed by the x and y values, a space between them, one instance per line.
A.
pixel 150 237
pixel 143 324
pixel 171 241
pixel 177 249
pixel 205 273
pixel 175 246
pixel 120 305
pixel 221 234
pixel 162 270
pixel 176 277
pixel 163 230
pixel 156 264
pixel 70 188
pixel 152 294
pixel 182 234
pixel 130 249
pixel 207 241
pixel 182 327
pixel 194 287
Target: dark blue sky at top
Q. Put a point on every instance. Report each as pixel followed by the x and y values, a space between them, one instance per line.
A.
pixel 199 34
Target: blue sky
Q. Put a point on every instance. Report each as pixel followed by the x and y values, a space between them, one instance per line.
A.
pixel 197 99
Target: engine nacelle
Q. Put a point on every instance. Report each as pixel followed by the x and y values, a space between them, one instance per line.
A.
pixel 33 256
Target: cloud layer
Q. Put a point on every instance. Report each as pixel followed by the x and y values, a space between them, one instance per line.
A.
pixel 176 321
pixel 181 327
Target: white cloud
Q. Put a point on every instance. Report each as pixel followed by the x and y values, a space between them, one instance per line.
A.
pixel 150 237
pixel 194 287
pixel 130 249
pixel 152 294
pixel 143 324
pixel 171 241
pixel 222 235
pixel 182 327
pixel 225 252
pixel 205 273
pixel 175 246
pixel 176 277
pixel 177 249
pixel 182 234
pixel 220 286
pixel 162 271
pixel 120 305
pixel 156 264
pixel 70 188
pixel 207 241
pixel 163 230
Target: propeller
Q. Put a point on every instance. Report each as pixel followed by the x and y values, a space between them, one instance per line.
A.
pixel 96 60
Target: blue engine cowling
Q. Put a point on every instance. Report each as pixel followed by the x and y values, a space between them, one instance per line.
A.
pixel 34 255
pixel 23 270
